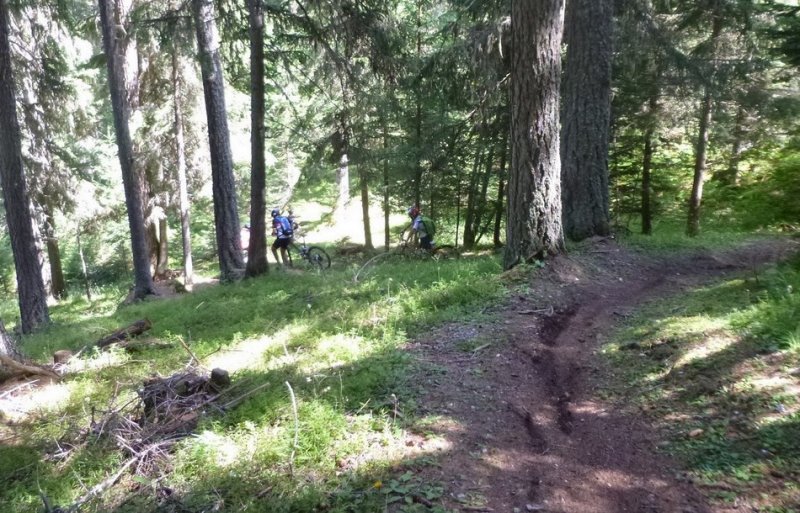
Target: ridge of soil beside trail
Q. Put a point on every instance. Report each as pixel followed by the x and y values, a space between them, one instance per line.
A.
pixel 522 427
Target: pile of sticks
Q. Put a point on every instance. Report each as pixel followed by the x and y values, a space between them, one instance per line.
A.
pixel 164 411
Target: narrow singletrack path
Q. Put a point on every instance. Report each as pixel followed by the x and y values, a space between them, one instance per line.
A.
pixel 516 402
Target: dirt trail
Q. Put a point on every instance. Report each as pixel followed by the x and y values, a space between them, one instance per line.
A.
pixel 522 427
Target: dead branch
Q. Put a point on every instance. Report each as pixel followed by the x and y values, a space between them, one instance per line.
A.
pixel 22 369
pixel 105 484
pixel 128 332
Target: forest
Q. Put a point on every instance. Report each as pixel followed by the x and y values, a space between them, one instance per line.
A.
pixel 584 161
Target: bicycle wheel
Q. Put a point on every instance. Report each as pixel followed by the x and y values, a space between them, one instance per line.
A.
pixel 318 258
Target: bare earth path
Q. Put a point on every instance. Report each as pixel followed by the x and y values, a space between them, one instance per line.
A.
pixel 521 424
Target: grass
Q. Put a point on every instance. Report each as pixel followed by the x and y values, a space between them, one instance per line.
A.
pixel 336 343
pixel 717 371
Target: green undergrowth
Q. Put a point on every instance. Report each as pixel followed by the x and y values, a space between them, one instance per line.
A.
pixel 718 370
pixel 671 237
pixel 336 345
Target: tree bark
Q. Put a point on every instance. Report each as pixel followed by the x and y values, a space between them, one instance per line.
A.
pixel 701 148
pixel 386 228
pixel 472 192
pixel 59 285
pixel 647 166
pixel 163 247
pixel 534 227
pixel 586 119
pixel 498 214
pixel 479 227
pixel 257 249
pixel 32 296
pixel 84 271
pixel 363 183
pixel 226 217
pixel 143 281
pixel 183 190
pixel 731 177
pixel 418 116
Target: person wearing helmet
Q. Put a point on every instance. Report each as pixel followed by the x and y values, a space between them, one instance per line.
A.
pixel 283 231
pixel 423 226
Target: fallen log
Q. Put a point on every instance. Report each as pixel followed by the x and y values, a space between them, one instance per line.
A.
pixel 23 369
pixel 128 332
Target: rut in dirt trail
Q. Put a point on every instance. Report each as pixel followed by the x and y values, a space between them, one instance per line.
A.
pixel 525 430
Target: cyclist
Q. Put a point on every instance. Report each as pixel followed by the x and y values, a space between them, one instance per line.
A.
pixel 423 226
pixel 283 231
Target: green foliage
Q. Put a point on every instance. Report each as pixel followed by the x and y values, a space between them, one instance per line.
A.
pixel 774 198
pixel 711 368
pixel 339 344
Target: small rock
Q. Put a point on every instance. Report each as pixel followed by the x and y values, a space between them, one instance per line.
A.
pixel 695 433
pixel 534 507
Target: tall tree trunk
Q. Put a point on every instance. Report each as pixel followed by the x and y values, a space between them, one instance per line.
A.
pixel 84 271
pixel 418 117
pixel 701 148
pixel 587 114
pixel 363 183
pixel 183 190
pixel 143 281
pixel 534 190
pixel 501 176
pixel 343 175
pixel 257 250
pixel 59 285
pixel 226 217
pixel 731 177
pixel 647 166
pixel 478 225
pixel 472 192
pixel 386 228
pixel 647 157
pixel 38 222
pixel 31 293
pixel 163 247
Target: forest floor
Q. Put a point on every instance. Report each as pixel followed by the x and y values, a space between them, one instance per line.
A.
pixel 524 425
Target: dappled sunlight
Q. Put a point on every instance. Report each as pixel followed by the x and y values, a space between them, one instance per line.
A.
pixel 223 451
pixel 713 343
pixel 44 398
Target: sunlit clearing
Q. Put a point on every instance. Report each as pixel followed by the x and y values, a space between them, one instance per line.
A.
pixel 98 360
pixel 47 398
pixel 247 353
pixel 713 343
pixel 224 451
pixel 340 349
pixel 242 355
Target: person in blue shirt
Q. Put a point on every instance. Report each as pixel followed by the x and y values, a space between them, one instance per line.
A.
pixel 283 231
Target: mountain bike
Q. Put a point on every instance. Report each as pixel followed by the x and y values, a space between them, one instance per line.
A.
pixel 314 256
pixel 409 246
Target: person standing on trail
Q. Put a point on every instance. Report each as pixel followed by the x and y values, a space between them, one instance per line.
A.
pixel 283 231
pixel 423 226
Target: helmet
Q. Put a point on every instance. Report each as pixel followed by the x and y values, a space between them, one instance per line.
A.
pixel 413 211
pixel 275 212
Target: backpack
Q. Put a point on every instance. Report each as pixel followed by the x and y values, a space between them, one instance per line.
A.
pixel 286 226
pixel 430 227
